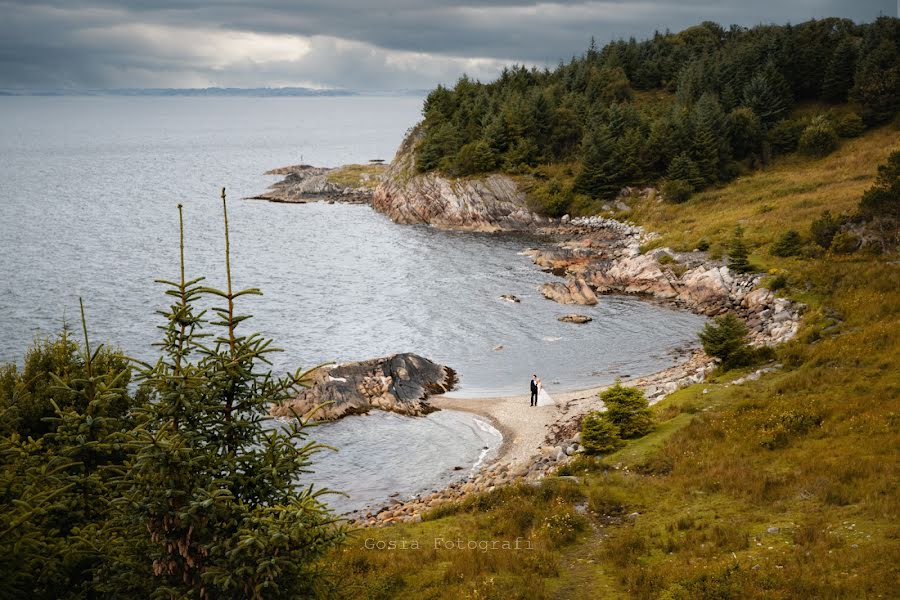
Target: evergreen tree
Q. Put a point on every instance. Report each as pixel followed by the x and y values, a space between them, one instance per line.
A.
pixel 745 132
pixel 475 157
pixel 789 244
pixel 706 153
pixel 726 340
pixel 630 150
pixel 738 252
pixel 838 78
pixel 56 487
pixel 877 83
pixel 213 505
pixel 768 94
pixel 627 409
pixel 565 135
pixel 682 168
pixel 31 397
pixel 440 142
pixel 600 174
pixel 825 228
pixel 818 139
pixel 599 435
pixel 497 135
pixel 882 200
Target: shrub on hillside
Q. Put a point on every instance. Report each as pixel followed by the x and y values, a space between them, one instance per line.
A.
pixel 703 245
pixel 738 253
pixel 850 125
pixel 551 199
pixel 683 168
pixel 745 132
pixel 785 135
pixel 775 280
pixel 882 200
pixel 31 397
pixel 599 435
pixel 825 228
pixel 677 190
pixel 475 157
pixel 627 409
pixel 726 340
pixel 845 242
pixel 818 139
pixel 788 244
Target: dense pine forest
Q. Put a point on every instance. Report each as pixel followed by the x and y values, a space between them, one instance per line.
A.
pixel 689 109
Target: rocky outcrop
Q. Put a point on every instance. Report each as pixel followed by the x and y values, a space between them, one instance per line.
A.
pixel 489 203
pixel 304 183
pixel 574 291
pixel 605 255
pixel 398 383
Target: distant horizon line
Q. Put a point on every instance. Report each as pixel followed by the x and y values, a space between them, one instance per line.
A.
pixel 284 92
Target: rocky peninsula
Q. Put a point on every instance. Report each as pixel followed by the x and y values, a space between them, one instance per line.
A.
pixel 353 184
pixel 400 383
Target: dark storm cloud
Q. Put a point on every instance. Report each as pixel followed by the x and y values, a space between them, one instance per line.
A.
pixel 338 43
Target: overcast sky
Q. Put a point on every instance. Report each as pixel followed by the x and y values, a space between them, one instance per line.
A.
pixel 367 45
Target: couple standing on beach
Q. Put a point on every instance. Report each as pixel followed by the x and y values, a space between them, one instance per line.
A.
pixel 539 396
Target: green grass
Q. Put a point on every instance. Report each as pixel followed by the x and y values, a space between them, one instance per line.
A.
pixel 784 487
pixel 357 176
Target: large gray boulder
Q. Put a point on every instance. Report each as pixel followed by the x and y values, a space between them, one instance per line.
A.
pixel 398 383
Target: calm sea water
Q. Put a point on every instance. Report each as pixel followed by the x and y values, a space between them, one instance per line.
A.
pixel 88 189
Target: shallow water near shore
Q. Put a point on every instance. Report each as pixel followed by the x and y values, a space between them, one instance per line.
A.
pixel 89 186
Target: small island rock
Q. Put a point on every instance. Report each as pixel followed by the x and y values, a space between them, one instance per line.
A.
pixel 398 383
pixel 574 318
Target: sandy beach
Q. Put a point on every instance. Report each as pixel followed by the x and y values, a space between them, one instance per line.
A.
pixel 524 428
pixel 527 429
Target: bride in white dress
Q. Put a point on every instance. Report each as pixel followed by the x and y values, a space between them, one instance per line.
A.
pixel 544 399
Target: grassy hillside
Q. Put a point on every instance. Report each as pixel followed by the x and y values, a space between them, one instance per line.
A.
pixel 783 487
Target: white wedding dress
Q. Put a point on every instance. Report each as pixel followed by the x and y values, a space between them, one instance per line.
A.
pixel 544 399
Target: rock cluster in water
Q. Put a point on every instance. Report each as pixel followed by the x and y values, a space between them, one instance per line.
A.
pixel 400 383
pixel 574 291
pixel 305 183
pixel 574 318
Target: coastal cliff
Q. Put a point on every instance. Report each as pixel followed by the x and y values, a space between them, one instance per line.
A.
pixel 489 203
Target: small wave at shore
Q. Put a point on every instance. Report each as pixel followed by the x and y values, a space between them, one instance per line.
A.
pixel 487 452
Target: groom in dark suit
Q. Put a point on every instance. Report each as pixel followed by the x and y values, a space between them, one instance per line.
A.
pixel 534 389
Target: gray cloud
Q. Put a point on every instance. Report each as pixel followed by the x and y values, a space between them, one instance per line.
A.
pixel 338 43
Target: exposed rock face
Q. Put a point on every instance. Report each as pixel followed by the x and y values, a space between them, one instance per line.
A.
pixel 399 383
pixel 490 203
pixel 573 291
pixel 605 255
pixel 305 183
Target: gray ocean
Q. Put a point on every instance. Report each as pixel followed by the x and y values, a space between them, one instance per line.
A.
pixel 88 190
